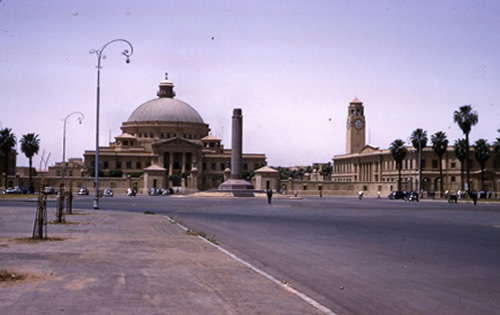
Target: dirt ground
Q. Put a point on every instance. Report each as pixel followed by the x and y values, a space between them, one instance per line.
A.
pixel 104 262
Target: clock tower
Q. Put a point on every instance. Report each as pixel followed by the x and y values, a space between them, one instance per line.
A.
pixel 356 126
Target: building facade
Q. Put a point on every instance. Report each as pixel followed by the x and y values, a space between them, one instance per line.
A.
pixel 370 169
pixel 164 143
pixel 167 142
pixel 11 169
pixel 373 169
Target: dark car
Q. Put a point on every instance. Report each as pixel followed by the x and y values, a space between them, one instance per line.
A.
pixel 83 191
pixel 16 190
pixel 411 196
pixel 397 194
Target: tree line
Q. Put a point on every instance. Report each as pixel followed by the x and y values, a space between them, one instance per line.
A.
pixel 324 170
pixel 465 117
pixel 30 145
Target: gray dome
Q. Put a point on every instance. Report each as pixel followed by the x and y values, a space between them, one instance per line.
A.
pixel 166 109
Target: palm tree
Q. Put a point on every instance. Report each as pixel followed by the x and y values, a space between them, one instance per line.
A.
pixel 461 154
pixel 440 145
pixel 466 117
pixel 301 172
pixel 7 143
pixel 30 144
pixel 326 170
pixel 496 150
pixel 399 152
pixel 482 154
pixel 419 141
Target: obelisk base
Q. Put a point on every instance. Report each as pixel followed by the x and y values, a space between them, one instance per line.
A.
pixel 235 184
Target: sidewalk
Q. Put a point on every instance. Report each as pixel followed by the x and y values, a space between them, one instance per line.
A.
pixel 127 263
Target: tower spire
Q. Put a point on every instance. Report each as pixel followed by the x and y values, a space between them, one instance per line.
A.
pixel 166 88
pixel 355 134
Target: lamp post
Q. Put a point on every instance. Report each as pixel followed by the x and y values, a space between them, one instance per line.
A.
pixel 419 164
pixel 64 140
pixel 409 171
pixel 100 56
pixel 409 164
pixel 15 169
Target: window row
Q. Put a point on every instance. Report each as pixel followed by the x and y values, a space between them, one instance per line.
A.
pixel 167 135
pixel 124 164
pixel 391 165
pixel 221 166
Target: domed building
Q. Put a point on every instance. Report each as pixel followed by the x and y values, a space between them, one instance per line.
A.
pixel 164 143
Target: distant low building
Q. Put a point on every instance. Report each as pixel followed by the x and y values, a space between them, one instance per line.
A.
pixel 74 169
pixel 11 169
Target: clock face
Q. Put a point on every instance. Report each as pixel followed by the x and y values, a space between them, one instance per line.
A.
pixel 358 123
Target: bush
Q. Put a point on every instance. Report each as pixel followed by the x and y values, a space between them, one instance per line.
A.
pixel 175 179
pixel 91 172
pixel 136 174
pixel 116 173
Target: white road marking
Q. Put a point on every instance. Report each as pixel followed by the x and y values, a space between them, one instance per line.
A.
pixel 285 285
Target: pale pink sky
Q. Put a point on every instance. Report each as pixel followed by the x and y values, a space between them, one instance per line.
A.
pixel 293 66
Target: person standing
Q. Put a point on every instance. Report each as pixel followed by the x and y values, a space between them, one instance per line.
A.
pixel 473 194
pixel 269 194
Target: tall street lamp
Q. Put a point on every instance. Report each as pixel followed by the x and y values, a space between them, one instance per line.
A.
pixel 419 179
pixel 410 188
pixel 419 164
pixel 100 56
pixel 80 118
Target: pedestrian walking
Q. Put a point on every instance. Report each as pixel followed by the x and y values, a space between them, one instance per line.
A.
pixel 473 194
pixel 269 194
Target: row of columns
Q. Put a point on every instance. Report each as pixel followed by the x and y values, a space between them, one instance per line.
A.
pixel 369 172
pixel 389 165
pixel 365 172
pixel 183 162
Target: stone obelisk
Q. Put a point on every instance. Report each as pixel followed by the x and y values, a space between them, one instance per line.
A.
pixel 236 182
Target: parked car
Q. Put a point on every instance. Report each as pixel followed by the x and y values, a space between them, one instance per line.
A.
pixel 411 196
pixel 108 192
pixel 160 191
pixel 49 190
pixel 397 194
pixel 16 190
pixel 165 191
pixel 154 191
pixel 83 191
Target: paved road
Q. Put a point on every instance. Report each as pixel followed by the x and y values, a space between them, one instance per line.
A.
pixel 355 257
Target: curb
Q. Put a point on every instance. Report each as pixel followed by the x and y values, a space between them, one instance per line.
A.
pixel 281 284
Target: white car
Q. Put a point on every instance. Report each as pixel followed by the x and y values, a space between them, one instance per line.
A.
pixel 108 192
pixel 83 191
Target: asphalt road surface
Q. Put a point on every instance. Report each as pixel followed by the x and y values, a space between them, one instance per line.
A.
pixel 370 256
